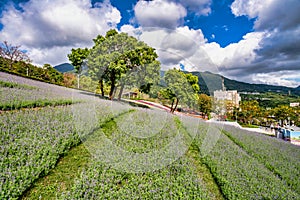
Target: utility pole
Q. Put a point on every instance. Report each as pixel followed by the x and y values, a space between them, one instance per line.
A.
pixel 223 84
pixel 78 80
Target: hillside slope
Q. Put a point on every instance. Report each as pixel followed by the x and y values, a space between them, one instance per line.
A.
pixel 210 82
pixel 64 67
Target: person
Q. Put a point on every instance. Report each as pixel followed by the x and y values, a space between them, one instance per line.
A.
pixel 276 130
pixel 272 128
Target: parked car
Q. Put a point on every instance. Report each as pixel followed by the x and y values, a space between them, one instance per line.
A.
pixel 284 134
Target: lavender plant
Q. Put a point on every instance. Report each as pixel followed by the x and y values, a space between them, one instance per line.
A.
pixel 240 175
pixel 278 156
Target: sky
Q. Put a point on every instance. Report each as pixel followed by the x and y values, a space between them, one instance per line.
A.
pixel 252 41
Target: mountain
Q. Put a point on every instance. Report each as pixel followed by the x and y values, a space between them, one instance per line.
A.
pixel 210 82
pixel 65 67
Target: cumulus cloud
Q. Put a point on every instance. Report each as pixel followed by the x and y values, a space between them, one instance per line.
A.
pixel 200 7
pixel 280 46
pixel 272 47
pixel 174 46
pixel 282 78
pixel 159 13
pixel 49 29
pixel 270 14
pixel 54 25
pixel 235 60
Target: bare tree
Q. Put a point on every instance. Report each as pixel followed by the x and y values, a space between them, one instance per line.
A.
pixel 13 54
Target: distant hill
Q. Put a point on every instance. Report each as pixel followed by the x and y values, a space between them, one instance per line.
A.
pixel 210 82
pixel 65 67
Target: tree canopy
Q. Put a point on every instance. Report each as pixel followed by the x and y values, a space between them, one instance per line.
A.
pixel 180 87
pixel 13 54
pixel 77 57
pixel 115 57
pixel 204 104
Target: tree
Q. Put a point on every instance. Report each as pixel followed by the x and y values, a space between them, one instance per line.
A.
pixel 285 113
pixel 77 58
pixel 143 70
pixel 13 54
pixel 52 75
pixel 115 56
pixel 249 110
pixel 193 81
pixel 69 79
pixel 204 104
pixel 179 88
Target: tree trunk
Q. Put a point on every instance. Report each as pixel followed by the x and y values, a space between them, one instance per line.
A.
pixel 10 65
pixel 78 80
pixel 112 88
pixel 115 91
pixel 172 106
pixel 121 91
pixel 177 100
pixel 101 87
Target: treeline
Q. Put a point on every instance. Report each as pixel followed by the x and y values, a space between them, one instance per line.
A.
pixel 271 99
pixel 251 113
pixel 121 63
pixel 46 73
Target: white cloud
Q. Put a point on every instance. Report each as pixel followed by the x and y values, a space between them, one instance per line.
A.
pixel 235 54
pixel 280 46
pixel 282 78
pixel 270 14
pixel 53 55
pixel 172 46
pixel 201 7
pixel 159 13
pixel 56 25
pixel 49 29
pixel 251 8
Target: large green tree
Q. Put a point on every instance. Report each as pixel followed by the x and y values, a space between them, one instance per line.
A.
pixel 180 87
pixel 249 110
pixel 204 104
pixel 143 70
pixel 77 58
pixel 115 57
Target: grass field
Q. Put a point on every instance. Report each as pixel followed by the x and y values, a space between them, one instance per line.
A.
pixel 91 148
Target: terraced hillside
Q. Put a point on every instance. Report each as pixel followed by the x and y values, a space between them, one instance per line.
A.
pixel 60 143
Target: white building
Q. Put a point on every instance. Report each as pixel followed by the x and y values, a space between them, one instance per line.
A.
pixel 294 104
pixel 231 96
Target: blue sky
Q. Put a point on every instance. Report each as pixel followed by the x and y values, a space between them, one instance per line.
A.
pixel 247 40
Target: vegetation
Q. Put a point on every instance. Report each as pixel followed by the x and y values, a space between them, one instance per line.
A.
pixel 137 154
pixel 32 152
pixel 118 60
pixel 180 87
pixel 241 176
pixel 34 104
pixel 16 85
pixel 46 73
pixel 271 99
pixel 210 82
pixel 77 57
pixel 271 152
pixel 251 113
pixel 205 104
pixel 12 54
